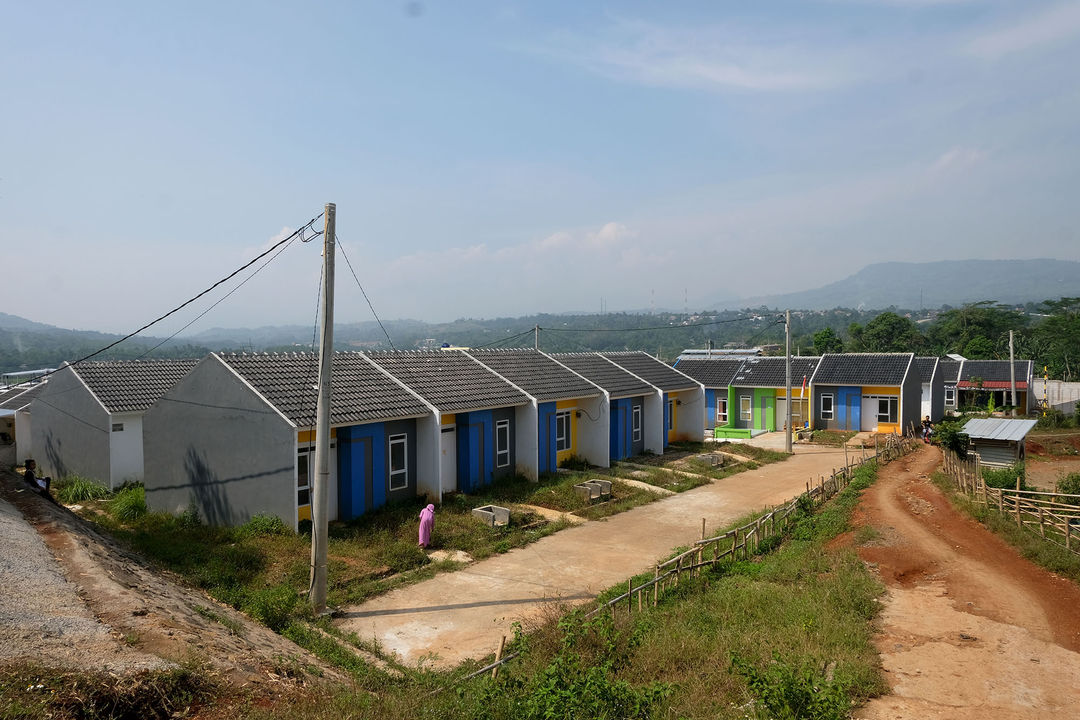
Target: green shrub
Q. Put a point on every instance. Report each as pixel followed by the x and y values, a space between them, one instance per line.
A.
pixel 273 606
pixel 1068 484
pixel 76 489
pixel 785 692
pixel 1004 478
pixel 949 435
pixel 264 526
pixel 129 504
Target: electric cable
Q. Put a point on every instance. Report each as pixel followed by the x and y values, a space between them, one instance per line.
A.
pixel 505 339
pixel 337 238
pixel 657 327
pixel 181 306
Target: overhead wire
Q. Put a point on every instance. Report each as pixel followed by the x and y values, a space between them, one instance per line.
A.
pixel 657 327
pixel 506 339
pixel 337 238
pixel 288 239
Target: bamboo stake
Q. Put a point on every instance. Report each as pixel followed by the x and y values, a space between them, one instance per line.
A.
pixel 702 528
pixel 498 657
pixel 656 587
pixel 1042 527
pixel 629 597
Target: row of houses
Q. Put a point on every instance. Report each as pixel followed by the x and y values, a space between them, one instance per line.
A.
pixel 877 392
pixel 232 435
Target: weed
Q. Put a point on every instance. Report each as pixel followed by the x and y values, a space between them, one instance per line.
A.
pixel 786 692
pixel 128 504
pixel 273 606
pixel 76 489
pixel 1004 477
pixel 264 525
pixel 233 626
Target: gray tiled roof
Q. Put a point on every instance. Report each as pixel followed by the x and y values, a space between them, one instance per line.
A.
pixel 994 370
pixel 949 369
pixel 651 370
pixel 612 378
pixel 863 369
pixel 132 385
pixel 537 374
pixel 925 366
pixel 20 397
pixel 449 379
pixel 716 373
pixel 359 392
pixel 772 371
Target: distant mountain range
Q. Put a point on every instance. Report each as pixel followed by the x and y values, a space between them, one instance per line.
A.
pixel 930 285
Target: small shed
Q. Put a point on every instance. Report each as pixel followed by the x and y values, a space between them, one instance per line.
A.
pixel 998 441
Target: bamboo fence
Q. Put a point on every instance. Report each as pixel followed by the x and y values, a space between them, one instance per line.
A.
pixel 1052 515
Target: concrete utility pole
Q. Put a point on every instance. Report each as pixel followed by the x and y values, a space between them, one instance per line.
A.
pixel 787 372
pixel 319 505
pixel 536 337
pixel 1012 375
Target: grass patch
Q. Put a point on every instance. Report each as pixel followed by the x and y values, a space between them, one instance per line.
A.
pixel 76 489
pixel 29 691
pixel 832 438
pixel 761 455
pixel 1039 551
pixel 231 625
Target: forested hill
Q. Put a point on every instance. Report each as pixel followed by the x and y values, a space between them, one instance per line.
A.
pixel 934 284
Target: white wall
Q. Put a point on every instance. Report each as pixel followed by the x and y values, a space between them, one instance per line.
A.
pixel 24 433
pixel 653 417
pixel 594 430
pixel 527 440
pixel 692 414
pixel 126 449
pixel 429 458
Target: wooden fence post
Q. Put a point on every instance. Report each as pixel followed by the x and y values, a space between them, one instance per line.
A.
pixel 702 528
pixel 1068 533
pixel 498 657
pixel 656 586
pixel 1016 498
pixel 1042 526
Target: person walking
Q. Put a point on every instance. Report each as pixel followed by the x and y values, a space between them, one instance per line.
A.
pixel 427 524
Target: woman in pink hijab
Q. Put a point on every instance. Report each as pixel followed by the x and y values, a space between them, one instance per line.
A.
pixel 427 523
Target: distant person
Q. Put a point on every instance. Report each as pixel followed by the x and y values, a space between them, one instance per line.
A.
pixel 427 524
pixel 40 484
pixel 927 429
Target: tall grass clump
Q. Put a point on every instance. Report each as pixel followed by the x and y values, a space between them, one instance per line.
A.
pixel 129 503
pixel 76 489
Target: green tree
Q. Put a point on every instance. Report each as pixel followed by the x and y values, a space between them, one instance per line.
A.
pixel 978 330
pixel 1056 339
pixel 827 341
pixel 888 332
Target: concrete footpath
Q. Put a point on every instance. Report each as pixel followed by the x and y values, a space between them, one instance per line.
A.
pixel 461 615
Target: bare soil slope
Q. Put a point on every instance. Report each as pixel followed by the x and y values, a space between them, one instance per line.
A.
pixel 970 629
pixel 130 615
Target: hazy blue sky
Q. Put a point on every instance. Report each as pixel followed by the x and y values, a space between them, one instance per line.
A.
pixel 501 158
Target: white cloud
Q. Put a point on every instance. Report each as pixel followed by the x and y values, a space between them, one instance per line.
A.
pixel 716 57
pixel 958 158
pixel 1055 24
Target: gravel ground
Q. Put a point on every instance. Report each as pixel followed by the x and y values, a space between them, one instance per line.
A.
pixel 42 617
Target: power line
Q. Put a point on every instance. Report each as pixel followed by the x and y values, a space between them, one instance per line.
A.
pixel 338 239
pixel 296 233
pixel 505 339
pixel 656 327
pixel 222 298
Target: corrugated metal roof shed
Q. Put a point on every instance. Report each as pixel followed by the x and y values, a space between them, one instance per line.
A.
pixel 998 429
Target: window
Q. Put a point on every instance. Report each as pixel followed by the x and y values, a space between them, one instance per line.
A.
pixel 502 443
pixel 118 427
pixel 562 431
pixel 399 462
pixel 721 411
pixel 303 482
pixel 826 406
pixel 950 396
pixel 887 409
pixel 745 408
pixel 636 415
pixel 670 415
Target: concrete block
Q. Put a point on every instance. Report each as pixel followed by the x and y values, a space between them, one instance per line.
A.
pixel 605 486
pixel 587 490
pixel 492 515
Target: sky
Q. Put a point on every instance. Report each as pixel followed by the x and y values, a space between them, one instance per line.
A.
pixel 495 159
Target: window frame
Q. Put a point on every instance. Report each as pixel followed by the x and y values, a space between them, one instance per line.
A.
pixel 304 458
pixel 831 412
pixel 402 472
pixel 564 429
pixel 892 408
pixel 746 409
pixel 117 427
pixel 670 415
pixel 950 396
pixel 502 449
pixel 721 415
pixel 635 422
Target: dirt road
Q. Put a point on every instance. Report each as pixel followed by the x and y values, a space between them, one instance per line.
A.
pixel 970 629
pixel 461 615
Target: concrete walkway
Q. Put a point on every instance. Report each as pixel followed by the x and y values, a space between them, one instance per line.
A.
pixel 456 616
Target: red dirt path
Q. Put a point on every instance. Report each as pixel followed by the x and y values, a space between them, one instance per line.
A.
pixel 970 629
